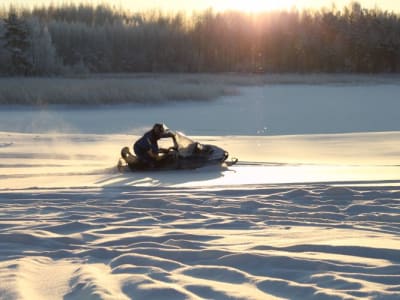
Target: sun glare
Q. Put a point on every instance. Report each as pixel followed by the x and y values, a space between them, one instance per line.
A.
pixel 256 5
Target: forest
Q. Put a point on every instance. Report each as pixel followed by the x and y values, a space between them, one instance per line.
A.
pixel 80 39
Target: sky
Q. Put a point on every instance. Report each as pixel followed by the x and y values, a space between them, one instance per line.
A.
pixel 218 5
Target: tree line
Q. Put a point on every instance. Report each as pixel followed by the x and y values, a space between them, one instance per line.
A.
pixel 100 39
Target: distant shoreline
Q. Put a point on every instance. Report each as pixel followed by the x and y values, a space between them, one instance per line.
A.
pixel 152 88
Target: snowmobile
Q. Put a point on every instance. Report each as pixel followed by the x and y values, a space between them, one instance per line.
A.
pixel 185 154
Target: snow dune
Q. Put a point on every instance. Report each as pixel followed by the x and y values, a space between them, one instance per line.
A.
pixel 259 242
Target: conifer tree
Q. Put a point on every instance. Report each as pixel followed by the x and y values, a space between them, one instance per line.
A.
pixel 3 52
pixel 17 43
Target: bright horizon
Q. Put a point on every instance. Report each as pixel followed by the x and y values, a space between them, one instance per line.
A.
pixel 218 5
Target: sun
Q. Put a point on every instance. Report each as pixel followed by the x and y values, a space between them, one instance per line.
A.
pixel 255 5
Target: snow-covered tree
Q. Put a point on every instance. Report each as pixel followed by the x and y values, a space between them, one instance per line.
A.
pixel 17 43
pixel 4 55
pixel 43 55
pixel 103 39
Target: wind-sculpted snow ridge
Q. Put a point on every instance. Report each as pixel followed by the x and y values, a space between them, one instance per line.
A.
pixel 241 242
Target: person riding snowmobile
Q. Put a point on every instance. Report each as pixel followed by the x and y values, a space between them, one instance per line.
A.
pixel 146 148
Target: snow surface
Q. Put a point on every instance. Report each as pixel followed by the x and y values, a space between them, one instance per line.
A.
pixel 261 110
pixel 302 216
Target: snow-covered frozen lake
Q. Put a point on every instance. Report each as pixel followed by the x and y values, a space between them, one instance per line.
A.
pixel 267 110
pixel 311 211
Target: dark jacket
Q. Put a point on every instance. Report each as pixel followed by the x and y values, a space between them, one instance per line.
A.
pixel 148 142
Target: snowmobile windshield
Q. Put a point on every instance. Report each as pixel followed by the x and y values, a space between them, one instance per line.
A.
pixel 185 144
